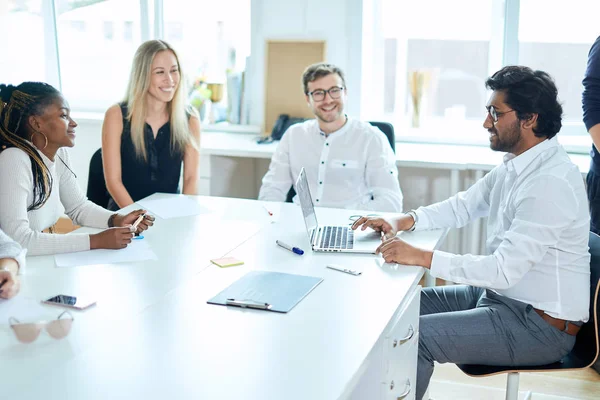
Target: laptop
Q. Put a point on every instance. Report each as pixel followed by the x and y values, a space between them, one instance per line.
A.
pixel 332 238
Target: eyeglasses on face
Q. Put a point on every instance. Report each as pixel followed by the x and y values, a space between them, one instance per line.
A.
pixel 29 332
pixel 319 94
pixel 495 114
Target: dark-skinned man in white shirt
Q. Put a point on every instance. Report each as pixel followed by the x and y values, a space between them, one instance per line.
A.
pixel 521 304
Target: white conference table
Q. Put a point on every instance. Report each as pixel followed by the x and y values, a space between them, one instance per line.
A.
pixel 153 336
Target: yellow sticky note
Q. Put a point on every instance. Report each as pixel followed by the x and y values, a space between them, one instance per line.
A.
pixel 226 262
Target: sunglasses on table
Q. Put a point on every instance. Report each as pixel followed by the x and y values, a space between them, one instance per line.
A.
pixel 29 332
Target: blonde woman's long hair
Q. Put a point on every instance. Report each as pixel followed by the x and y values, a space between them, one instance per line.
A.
pixel 137 92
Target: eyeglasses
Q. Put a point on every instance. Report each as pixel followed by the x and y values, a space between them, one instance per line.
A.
pixel 495 114
pixel 29 332
pixel 319 94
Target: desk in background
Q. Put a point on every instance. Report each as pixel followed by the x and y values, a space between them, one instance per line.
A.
pixel 153 336
pixel 233 164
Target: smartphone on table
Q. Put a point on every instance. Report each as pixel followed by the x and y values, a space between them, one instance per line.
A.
pixel 76 302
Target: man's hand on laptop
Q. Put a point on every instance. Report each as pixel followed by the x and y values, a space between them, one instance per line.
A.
pixel 378 224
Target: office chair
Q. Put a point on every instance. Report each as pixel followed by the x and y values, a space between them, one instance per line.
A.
pixel 584 353
pixel 388 131
pixel 96 187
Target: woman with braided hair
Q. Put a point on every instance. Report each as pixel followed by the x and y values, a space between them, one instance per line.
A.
pixel 37 183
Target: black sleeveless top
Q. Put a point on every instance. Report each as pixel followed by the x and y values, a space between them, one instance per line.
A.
pixel 159 173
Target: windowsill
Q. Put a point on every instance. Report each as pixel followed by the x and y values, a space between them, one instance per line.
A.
pixel 96 117
pixel 433 132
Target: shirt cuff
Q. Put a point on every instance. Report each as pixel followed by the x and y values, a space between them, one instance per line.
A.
pixel 440 264
pixel 21 261
pixel 424 223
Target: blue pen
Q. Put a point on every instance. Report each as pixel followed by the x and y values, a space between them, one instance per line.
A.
pixel 290 248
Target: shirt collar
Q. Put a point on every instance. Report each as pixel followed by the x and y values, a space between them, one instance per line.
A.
pixel 520 162
pixel 339 132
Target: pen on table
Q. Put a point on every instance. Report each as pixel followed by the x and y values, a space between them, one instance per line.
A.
pixel 269 211
pixel 345 270
pixel 296 250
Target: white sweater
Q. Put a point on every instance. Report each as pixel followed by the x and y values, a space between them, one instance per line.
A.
pixel 25 227
pixel 11 249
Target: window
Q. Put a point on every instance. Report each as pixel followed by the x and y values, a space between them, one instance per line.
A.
pixel 556 37
pixel 208 36
pixel 109 30
pixel 95 61
pixel 454 52
pixel 85 47
pixel 30 58
pixel 443 54
pixel 128 31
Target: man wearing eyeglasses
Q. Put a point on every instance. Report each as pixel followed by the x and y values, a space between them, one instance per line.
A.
pixel 349 163
pixel 523 303
pixel 11 258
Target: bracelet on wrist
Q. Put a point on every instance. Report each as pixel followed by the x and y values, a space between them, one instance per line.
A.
pixel 415 218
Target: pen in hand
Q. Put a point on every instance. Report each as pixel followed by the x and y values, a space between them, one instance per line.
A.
pixel 296 250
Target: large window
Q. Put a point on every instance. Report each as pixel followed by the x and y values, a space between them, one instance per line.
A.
pixel 30 55
pixel 96 42
pixel 555 36
pixel 448 53
pixel 85 47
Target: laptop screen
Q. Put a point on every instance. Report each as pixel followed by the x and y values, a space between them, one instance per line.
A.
pixel 308 209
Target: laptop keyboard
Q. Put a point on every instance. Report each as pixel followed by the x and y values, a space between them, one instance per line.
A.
pixel 337 237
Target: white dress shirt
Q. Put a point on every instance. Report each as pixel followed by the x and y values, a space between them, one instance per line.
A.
pixel 537 232
pixel 353 167
pixel 25 227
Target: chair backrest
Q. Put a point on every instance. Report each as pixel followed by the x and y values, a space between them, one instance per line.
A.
pixel 587 339
pixel 388 131
pixel 96 187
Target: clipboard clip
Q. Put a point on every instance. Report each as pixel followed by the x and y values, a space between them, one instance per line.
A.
pixel 248 304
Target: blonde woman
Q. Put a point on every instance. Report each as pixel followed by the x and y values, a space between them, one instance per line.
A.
pixel 146 137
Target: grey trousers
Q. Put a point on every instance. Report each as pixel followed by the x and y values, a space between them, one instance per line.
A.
pixel 468 325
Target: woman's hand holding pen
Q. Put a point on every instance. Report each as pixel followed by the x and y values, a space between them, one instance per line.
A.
pixel 9 282
pixel 129 220
pixel 112 238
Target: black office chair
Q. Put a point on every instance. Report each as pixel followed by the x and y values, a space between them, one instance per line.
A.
pixel 388 131
pixel 584 353
pixel 96 187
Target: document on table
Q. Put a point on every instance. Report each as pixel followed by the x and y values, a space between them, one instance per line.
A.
pixel 138 250
pixel 173 207
pixel 25 309
pixel 265 290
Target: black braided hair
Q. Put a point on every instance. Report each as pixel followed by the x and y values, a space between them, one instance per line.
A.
pixel 17 104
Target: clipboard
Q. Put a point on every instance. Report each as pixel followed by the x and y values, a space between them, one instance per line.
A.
pixel 268 291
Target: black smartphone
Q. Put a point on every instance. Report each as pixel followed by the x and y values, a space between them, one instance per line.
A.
pixel 79 303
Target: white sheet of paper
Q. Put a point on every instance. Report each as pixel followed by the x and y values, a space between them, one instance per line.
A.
pixel 138 250
pixel 25 309
pixel 180 206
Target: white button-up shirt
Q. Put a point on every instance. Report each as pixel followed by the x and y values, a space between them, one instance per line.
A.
pixel 537 232
pixel 353 167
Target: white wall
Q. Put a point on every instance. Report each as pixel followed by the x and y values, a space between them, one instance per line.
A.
pixel 338 22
